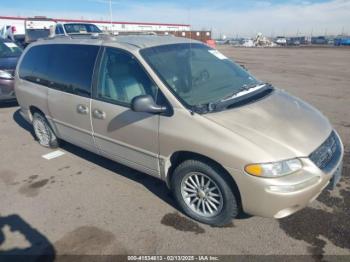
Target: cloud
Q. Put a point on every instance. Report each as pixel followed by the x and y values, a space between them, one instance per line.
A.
pixel 262 4
pixel 282 19
pixel 225 17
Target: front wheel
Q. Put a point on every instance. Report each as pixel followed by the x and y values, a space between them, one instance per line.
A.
pixel 203 193
pixel 43 132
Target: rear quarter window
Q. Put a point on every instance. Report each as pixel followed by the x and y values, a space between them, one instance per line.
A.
pixel 34 65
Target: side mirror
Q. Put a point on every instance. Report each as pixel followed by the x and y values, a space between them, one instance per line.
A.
pixel 146 104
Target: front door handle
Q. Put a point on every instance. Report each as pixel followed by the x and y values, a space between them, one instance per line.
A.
pixel 82 109
pixel 98 114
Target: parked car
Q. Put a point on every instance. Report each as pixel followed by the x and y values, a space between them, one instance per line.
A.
pixel 7 32
pixel 319 40
pixel 67 29
pixel 13 32
pixel 181 111
pixel 9 55
pixel 281 40
pixel 342 41
pixel 293 41
pixel 36 28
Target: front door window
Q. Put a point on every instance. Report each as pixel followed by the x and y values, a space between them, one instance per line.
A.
pixel 122 78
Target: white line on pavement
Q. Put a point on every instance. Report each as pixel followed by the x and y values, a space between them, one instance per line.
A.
pixel 54 154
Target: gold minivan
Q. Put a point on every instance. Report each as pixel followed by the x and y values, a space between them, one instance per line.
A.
pixel 223 141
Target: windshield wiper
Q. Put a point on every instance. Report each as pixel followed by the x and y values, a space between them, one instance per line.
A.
pixel 227 100
pixel 213 105
pixel 241 89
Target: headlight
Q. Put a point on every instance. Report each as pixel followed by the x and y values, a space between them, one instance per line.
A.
pixel 276 169
pixel 5 75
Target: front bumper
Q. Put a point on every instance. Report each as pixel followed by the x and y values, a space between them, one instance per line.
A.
pixel 7 91
pixel 283 196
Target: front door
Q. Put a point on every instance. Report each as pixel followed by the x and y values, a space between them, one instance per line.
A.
pixel 121 134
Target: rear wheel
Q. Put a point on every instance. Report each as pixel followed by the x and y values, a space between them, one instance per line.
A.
pixel 43 132
pixel 203 193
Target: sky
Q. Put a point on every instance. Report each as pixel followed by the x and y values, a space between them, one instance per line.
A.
pixel 224 17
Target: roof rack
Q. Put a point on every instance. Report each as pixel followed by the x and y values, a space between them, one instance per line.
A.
pixel 135 33
pixel 80 36
pixel 102 36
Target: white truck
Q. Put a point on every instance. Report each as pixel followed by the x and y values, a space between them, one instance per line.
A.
pixel 68 29
pixel 281 40
pixel 37 27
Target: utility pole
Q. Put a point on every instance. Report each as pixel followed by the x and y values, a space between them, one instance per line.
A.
pixel 111 13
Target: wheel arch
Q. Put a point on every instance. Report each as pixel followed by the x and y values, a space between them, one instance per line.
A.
pixel 180 156
pixel 34 109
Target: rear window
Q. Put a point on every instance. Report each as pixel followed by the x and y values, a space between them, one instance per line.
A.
pixel 81 28
pixel 67 68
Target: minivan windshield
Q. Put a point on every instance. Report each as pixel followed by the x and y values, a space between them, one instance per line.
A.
pixel 9 49
pixel 198 74
pixel 81 28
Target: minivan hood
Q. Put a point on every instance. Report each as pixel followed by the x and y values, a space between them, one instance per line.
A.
pixel 283 125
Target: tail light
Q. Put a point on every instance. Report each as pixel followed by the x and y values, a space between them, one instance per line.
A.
pixel 14 29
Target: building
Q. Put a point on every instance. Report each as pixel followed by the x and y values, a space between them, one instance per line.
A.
pixel 18 23
pixel 180 30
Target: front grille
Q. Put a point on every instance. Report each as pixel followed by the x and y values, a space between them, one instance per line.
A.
pixel 327 155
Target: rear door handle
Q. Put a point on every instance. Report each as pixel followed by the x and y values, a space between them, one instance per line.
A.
pixel 98 114
pixel 82 109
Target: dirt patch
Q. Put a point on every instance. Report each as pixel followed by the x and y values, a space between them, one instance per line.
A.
pixel 32 189
pixel 345 124
pixel 33 177
pixel 39 184
pixel 309 224
pixel 181 223
pixel 88 240
pixel 63 168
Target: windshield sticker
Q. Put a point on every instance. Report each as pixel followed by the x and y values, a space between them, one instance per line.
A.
pixel 218 54
pixel 10 45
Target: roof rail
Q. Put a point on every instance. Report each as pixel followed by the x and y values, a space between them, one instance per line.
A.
pixel 80 36
pixel 135 33
pixel 102 36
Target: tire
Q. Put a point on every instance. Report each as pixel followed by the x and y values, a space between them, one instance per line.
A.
pixel 43 132
pixel 186 191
